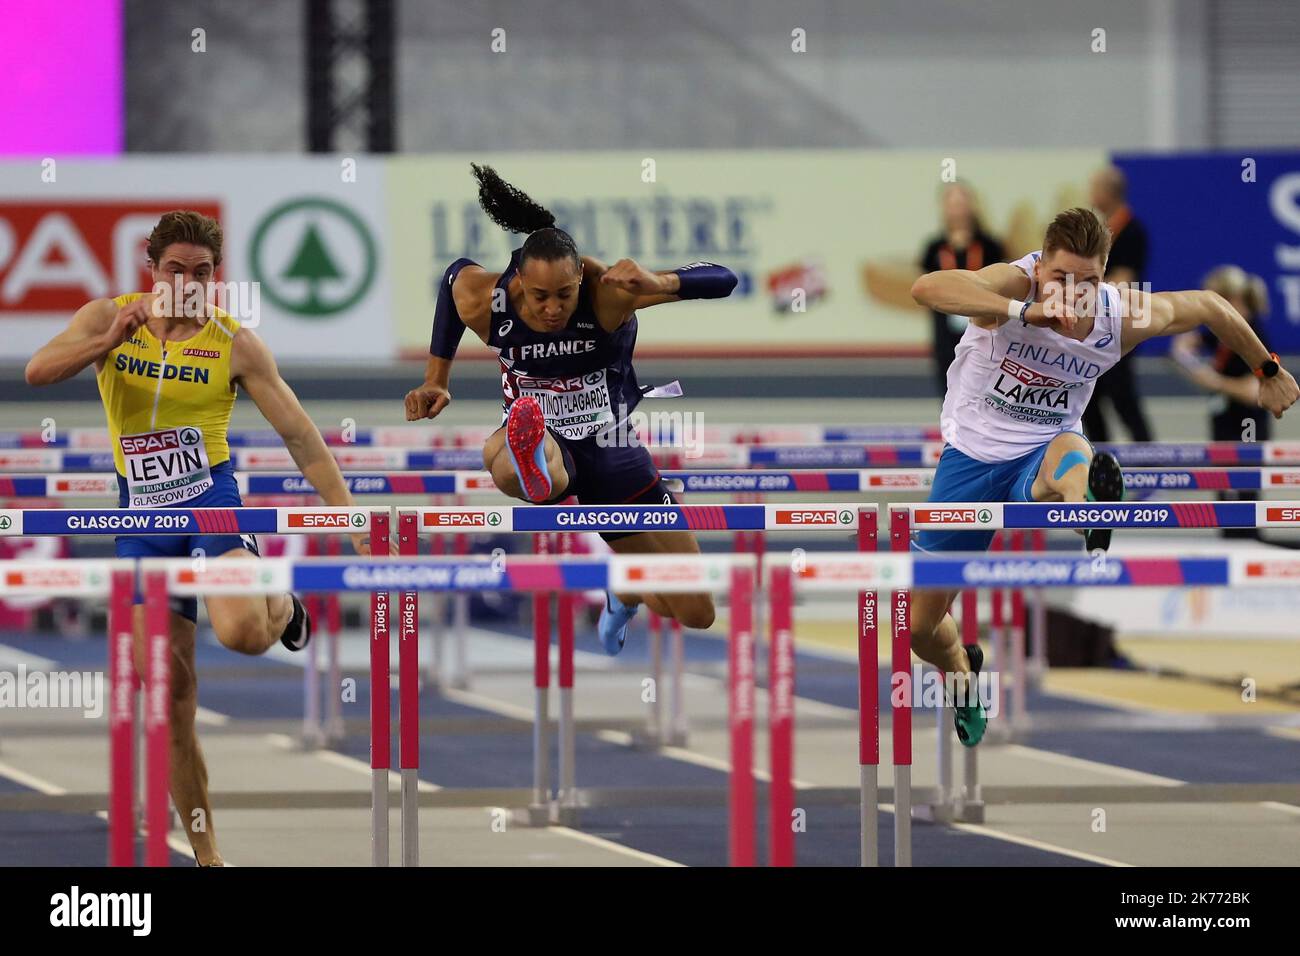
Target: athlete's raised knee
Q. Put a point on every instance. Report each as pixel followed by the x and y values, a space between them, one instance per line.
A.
pixel 245 632
pixel 695 612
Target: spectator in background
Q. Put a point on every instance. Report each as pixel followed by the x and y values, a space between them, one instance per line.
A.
pixel 963 244
pixel 1235 414
pixel 1127 263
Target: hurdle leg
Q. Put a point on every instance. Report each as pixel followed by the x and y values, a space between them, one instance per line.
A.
pixel 157 720
pixel 742 816
pixel 654 735
pixel 972 802
pixel 780 718
pixel 1018 716
pixel 334 627
pixel 460 674
pixel 380 704
pixel 901 702
pixel 121 721
pixel 538 810
pixel 944 809
pixel 312 734
pixel 567 801
pixel 1038 617
pixel 408 688
pixel 679 731
pixel 868 704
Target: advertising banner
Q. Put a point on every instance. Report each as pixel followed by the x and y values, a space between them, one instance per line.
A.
pixel 304 244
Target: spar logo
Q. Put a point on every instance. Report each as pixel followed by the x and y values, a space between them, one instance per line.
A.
pixel 318 519
pixel 895 481
pixel 672 574
pixel 820 517
pixel 1273 569
pixel 954 515
pixel 227 574
pixel 154 442
pixel 846 572
pixel 314 257
pixel 462 519
pixel 1285 478
pixel 74 485
pixel 56 256
pixel 5 523
pixel 1283 514
pixel 69 577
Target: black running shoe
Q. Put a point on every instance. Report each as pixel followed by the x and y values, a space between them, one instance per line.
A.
pixel 1105 483
pixel 297 633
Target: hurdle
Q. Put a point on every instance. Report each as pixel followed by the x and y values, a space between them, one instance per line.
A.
pixel 559 519
pixel 123 681
pixel 826 455
pixel 902 572
pixel 1037 517
pixel 422 436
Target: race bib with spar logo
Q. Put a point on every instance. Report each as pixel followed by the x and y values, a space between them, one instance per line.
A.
pixel 574 407
pixel 165 467
pixel 1029 395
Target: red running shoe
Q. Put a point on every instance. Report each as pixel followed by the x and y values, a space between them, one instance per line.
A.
pixel 526 445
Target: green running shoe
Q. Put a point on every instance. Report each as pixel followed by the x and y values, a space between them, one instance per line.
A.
pixel 970 719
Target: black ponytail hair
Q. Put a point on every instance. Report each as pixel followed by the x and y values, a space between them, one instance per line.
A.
pixel 515 211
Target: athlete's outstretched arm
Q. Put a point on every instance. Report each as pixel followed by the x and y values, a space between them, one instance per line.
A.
pixel 254 368
pixel 96 329
pixel 464 302
pixel 985 296
pixel 627 286
pixel 1148 315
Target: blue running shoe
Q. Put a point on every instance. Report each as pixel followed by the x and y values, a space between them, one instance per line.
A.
pixel 612 626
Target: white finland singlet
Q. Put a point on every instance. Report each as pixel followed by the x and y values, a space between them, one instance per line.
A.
pixel 1013 388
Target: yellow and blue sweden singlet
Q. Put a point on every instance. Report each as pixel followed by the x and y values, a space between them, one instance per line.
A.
pixel 168 406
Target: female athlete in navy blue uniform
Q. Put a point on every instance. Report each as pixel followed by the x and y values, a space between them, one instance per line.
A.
pixel 564 327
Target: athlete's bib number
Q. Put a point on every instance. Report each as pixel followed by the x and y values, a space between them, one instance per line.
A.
pixel 574 407
pixel 165 468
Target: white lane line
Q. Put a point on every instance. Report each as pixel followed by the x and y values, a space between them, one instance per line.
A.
pixel 1080 763
pixel 1036 844
pixel 23 778
pixel 613 847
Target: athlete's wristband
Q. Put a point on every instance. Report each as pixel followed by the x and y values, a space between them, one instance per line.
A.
pixel 1017 309
pixel 1270 367
pixel 704 280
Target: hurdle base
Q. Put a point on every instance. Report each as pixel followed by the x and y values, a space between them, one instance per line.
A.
pixel 565 814
pixel 998 734
pixel 533 815
pixel 971 812
pixel 678 738
pixel 935 812
pixel 643 738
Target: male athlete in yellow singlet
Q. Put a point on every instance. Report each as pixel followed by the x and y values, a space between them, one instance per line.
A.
pixel 168 373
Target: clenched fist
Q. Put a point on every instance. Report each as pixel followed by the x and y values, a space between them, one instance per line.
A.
pixel 426 401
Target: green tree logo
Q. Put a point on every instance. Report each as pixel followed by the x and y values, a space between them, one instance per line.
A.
pixel 330 260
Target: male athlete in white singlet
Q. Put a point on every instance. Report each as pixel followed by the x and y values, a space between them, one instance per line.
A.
pixel 1042 330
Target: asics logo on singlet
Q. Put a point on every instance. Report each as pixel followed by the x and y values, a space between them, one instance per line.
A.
pixel 1105 340
pixel 506 326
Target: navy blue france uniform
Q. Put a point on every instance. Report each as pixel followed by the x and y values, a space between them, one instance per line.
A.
pixel 582 377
